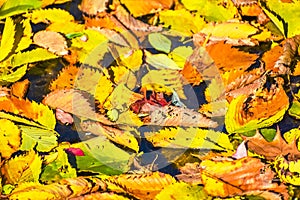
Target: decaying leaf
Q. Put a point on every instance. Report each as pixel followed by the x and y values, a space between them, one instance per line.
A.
pixel 27 112
pixel 264 108
pixel 124 138
pixel 52 41
pixel 190 173
pixel 277 147
pixel 23 168
pixel 235 177
pixel 66 188
pixel 175 116
pixel 10 138
pixel 143 186
pixel 195 138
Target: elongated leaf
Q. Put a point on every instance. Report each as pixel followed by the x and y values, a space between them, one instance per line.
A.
pixel 41 139
pixel 161 61
pixel 101 156
pixel 25 41
pixel 12 7
pixel 27 112
pixel 8 38
pixel 10 75
pixel 32 56
pixel 189 138
pixel 160 42
pixel 50 16
pixel 10 138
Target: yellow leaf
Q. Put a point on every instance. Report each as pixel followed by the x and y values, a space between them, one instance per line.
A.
pixel 52 15
pixel 103 89
pixel 7 40
pixel 25 41
pixel 24 168
pixel 164 80
pixel 10 138
pixel 233 30
pixel 68 27
pixel 123 75
pixel 288 171
pixel 192 23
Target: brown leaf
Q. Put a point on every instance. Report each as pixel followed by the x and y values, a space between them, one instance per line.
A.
pixel 52 41
pixel 76 102
pixel 175 116
pixel 278 146
pixel 93 7
pixel 190 173
pixel 143 186
pixel 236 177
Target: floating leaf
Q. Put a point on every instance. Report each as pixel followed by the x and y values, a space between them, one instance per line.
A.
pixel 263 109
pixel 50 2
pixel 40 139
pixel 175 116
pixel 23 168
pixel 276 147
pixel 161 61
pixel 59 168
pixel 182 191
pixel 25 41
pixel 180 54
pixel 53 15
pixel 8 38
pixel 66 78
pixel 52 41
pixel 19 89
pixel 122 75
pixel 165 81
pixel 10 138
pixel 27 112
pixel 235 177
pixel 212 10
pixel 288 171
pixel 12 74
pixel 101 156
pixel 124 138
pixel 189 138
pixel 142 8
pixel 192 23
pixel 32 56
pixel 143 186
pixel 93 7
pixel 160 42
pixel 12 7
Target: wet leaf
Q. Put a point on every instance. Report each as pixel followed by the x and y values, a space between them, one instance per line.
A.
pixel 50 16
pixel 182 191
pixel 10 138
pixel 195 138
pixel 26 40
pixel 161 61
pixel 27 112
pixel 40 139
pixel 229 178
pixel 8 38
pixel 143 186
pixel 160 42
pixel 261 110
pixel 19 89
pixel 180 55
pixel 52 41
pixel 93 7
pixel 288 171
pixel 23 168
pixel 66 78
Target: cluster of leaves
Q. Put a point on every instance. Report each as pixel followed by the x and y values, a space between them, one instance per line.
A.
pixel 133 69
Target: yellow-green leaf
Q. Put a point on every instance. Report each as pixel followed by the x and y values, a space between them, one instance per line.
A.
pixel 160 42
pixel 8 38
pixel 51 15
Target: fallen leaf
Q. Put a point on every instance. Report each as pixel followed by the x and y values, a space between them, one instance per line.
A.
pixel 93 7
pixel 19 89
pixel 52 41
pixel 66 78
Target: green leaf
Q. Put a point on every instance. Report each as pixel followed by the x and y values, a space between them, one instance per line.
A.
pixel 13 7
pixel 161 61
pixel 285 16
pixel 160 42
pixel 182 191
pixel 59 168
pixel 268 133
pixel 101 156
pixel 43 140
pixel 8 38
pixel 12 75
pixel 295 110
pixel 32 56
pixel 195 138
pixel 212 10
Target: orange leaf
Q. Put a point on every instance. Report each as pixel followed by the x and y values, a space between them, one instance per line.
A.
pixel 278 146
pixel 143 186
pixel 19 89
pixel 237 177
pixel 65 79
